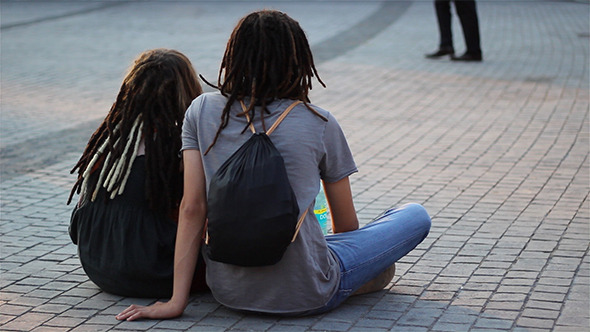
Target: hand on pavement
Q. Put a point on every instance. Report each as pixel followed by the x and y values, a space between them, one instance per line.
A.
pixel 158 310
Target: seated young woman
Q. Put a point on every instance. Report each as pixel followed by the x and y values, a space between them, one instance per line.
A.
pixel 268 66
pixel 130 180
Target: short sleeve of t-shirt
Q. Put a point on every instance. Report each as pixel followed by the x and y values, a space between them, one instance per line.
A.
pixel 189 126
pixel 337 162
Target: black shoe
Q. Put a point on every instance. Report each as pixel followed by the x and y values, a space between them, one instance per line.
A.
pixel 441 52
pixel 467 57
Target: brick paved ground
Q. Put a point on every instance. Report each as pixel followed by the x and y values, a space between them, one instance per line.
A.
pixel 496 151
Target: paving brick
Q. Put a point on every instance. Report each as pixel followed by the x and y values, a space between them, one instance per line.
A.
pixel 574 313
pixel 505 305
pixel 52 308
pixel 489 323
pixel 286 328
pixel 5 318
pixel 544 296
pixel 367 329
pixel 535 322
pixel 384 314
pixel 469 302
pixel 95 304
pixel 27 321
pixel 450 327
pixel 102 320
pixel 69 300
pixel 374 323
pixel 207 328
pixel 460 318
pixel 416 319
pixel 540 313
pixel 50 329
pixel 519 282
pixel 514 289
pixel 224 322
pixel 68 322
pixel 437 296
pixel 142 325
pixel 254 324
pixel 502 314
pixel 27 301
pixel 325 325
pixel 174 325
pixel 15 310
pixel 77 312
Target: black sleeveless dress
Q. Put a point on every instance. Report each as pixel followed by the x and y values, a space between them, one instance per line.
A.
pixel 125 248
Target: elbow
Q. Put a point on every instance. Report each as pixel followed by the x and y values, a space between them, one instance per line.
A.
pixel 193 210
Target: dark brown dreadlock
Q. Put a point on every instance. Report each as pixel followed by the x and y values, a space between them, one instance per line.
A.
pixel 267 57
pixel 150 106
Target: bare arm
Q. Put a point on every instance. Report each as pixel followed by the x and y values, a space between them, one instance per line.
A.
pixel 339 196
pixel 193 211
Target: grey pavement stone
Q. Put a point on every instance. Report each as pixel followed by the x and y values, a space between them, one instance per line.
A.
pixel 174 325
pixel 502 314
pixel 143 325
pixel 450 327
pixel 14 310
pixel 374 323
pixel 27 321
pixel 493 323
pixel 535 322
pixel 66 322
pixel 207 328
pixel 27 301
pixel 324 325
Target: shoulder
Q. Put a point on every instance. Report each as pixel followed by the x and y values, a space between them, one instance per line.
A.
pixel 314 112
pixel 205 101
pixel 322 116
pixel 208 98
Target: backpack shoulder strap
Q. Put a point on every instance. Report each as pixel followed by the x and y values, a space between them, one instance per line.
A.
pixel 299 223
pixel 277 122
pixel 244 108
pixel 282 117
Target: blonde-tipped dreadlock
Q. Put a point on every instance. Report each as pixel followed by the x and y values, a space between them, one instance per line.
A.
pixel 149 108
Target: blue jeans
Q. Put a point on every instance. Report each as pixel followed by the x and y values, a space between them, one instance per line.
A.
pixel 370 250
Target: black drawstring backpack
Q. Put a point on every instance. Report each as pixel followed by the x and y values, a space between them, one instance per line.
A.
pixel 252 210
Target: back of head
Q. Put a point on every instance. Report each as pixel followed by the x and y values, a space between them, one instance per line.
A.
pixel 267 57
pixel 149 107
pixel 158 77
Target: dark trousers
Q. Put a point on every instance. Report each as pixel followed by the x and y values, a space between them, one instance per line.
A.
pixel 467 13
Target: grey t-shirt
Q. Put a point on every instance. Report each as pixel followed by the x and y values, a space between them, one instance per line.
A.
pixel 307 276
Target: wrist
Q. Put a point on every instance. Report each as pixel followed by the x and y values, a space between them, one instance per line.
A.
pixel 178 304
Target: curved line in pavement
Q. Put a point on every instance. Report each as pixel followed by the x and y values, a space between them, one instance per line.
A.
pixel 356 35
pixel 57 17
pixel 17 159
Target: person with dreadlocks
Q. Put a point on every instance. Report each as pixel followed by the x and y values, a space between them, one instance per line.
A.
pixel 130 180
pixel 267 66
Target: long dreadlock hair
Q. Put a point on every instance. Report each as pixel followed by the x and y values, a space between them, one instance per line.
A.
pixel 150 107
pixel 267 57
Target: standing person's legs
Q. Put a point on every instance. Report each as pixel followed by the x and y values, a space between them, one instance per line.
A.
pixel 443 16
pixel 368 251
pixel 467 12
